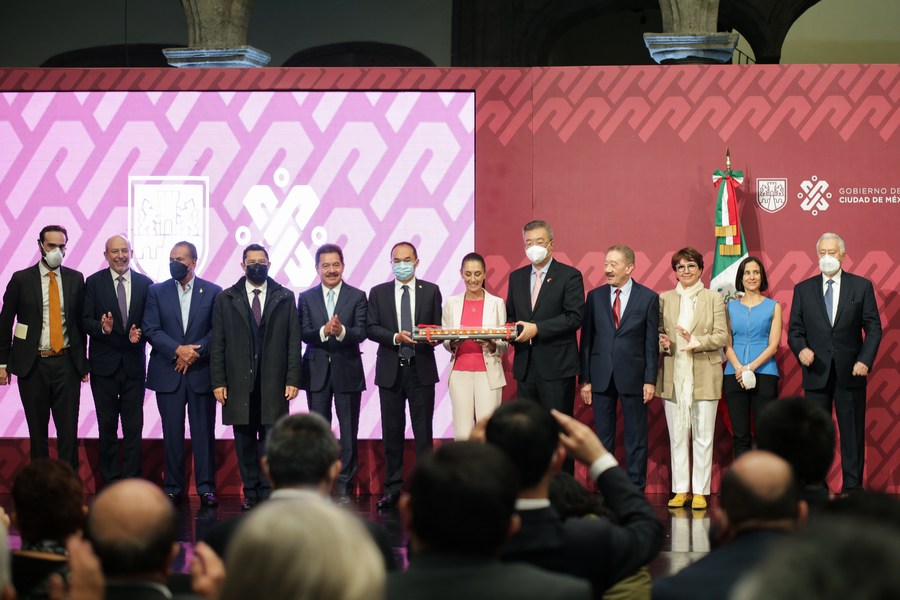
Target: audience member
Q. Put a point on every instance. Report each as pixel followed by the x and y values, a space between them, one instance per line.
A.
pixel 802 433
pixel 133 530
pixel 303 549
pixel 593 549
pixel 48 508
pixel 459 511
pixel 6 587
pixel 302 460
pixel 759 507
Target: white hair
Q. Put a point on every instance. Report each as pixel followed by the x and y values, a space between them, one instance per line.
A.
pixel 833 236
pixel 303 549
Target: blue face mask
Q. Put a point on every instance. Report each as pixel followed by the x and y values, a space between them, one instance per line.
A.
pixel 403 270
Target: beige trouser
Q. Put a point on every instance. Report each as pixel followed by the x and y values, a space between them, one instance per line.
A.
pixel 700 435
pixel 472 399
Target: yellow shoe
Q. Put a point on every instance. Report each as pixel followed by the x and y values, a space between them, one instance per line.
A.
pixel 699 502
pixel 679 500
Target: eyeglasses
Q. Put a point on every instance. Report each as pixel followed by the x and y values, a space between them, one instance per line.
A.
pixel 251 263
pixel 687 267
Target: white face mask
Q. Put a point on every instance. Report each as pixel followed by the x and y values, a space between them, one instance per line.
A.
pixel 536 254
pixel 829 265
pixel 53 258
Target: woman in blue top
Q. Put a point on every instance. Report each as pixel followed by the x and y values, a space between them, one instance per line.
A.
pixel 754 333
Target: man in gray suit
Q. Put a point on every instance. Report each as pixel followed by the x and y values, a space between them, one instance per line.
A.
pixel 333 324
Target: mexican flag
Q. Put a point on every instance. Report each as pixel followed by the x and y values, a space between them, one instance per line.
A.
pixel 731 248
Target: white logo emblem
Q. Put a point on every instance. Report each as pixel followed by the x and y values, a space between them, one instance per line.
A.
pixel 815 195
pixel 771 194
pixel 163 211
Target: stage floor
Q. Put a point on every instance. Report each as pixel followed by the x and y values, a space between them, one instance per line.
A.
pixel 686 539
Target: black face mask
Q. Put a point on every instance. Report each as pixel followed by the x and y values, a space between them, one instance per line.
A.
pixel 257 273
pixel 178 270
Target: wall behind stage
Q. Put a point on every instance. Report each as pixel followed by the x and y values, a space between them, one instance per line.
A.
pixel 625 155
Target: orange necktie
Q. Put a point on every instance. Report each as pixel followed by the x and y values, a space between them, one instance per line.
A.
pixel 56 332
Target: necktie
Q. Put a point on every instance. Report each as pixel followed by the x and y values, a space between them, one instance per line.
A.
pixel 55 313
pixel 329 303
pixel 617 307
pixel 405 321
pixel 536 288
pixel 123 303
pixel 257 308
pixel 829 301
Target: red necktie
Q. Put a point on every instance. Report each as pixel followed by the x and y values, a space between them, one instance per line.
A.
pixel 55 313
pixel 616 309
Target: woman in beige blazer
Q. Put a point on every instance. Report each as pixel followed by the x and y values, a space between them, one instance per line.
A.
pixel 476 376
pixel 692 331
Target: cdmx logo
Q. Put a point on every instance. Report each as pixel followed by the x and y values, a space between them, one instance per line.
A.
pixel 815 195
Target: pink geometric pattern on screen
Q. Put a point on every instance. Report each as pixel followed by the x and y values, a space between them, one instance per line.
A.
pixel 290 170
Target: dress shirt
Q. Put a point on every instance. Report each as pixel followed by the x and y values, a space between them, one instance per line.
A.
pixel 543 274
pixel 398 295
pixel 126 282
pixel 45 297
pixel 337 294
pixel 184 298
pixel 835 290
pixel 262 294
pixel 623 297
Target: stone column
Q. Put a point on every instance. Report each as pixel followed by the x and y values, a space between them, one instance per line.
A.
pixel 689 34
pixel 217 36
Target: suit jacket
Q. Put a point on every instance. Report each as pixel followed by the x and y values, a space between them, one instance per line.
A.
pixel 110 352
pixel 843 342
pixel 232 364
pixel 438 576
pixel 381 325
pixel 557 314
pixel 342 358
pixel 162 326
pixel 494 315
pixel 594 549
pixel 23 302
pixel 714 576
pixel 709 328
pixel 631 352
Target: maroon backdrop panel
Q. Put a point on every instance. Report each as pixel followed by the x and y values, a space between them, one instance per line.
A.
pixel 625 155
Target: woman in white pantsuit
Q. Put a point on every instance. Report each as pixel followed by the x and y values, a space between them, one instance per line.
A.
pixel 692 331
pixel 476 379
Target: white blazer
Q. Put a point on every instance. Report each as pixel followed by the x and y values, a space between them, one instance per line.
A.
pixel 494 315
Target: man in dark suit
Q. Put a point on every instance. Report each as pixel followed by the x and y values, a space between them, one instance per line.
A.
pixel 598 550
pixel 114 301
pixel 46 348
pixel 333 322
pixel 546 299
pixel 177 323
pixel 620 357
pixel 404 370
pixel 301 461
pixel 829 314
pixel 255 366
pixel 459 512
pixel 760 506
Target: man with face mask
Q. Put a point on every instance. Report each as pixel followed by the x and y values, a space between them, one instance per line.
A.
pixel 255 363
pixel 829 314
pixel 546 299
pixel 113 310
pixel 46 348
pixel 404 370
pixel 178 323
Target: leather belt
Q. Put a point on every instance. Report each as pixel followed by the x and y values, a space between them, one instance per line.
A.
pixel 51 353
pixel 407 362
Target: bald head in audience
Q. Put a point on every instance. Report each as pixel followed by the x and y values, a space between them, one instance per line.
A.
pixel 132 527
pixel 759 491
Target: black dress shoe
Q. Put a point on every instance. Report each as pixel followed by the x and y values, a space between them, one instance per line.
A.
pixel 248 503
pixel 387 501
pixel 209 499
pixel 175 499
